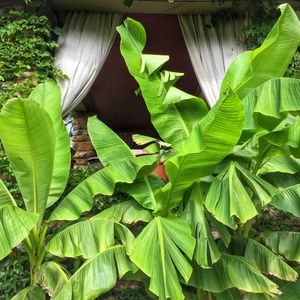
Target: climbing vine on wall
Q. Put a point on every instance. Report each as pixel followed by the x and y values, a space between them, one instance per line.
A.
pixel 27 42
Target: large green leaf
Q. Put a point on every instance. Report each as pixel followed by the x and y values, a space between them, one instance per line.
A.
pixel 175 118
pixel 143 190
pixel 252 68
pixel 283 164
pixel 97 275
pixel 15 225
pixel 80 199
pixel 109 147
pixel 31 293
pixel 88 238
pixel 268 262
pixel 159 250
pixel 270 102
pixel 5 196
pixel 52 277
pixel 126 212
pixel 285 243
pixel 288 199
pixel 230 195
pixel 206 250
pixel 220 130
pixel 30 149
pixel 48 95
pixel 232 271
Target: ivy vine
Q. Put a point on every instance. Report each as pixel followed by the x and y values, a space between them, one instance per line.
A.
pixel 27 42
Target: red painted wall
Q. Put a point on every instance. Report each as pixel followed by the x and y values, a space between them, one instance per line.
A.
pixel 112 95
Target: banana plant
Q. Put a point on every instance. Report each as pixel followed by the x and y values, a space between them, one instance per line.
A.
pixel 37 146
pixel 218 173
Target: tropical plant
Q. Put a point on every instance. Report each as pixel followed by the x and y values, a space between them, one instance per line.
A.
pixel 37 146
pixel 227 168
pixel 226 165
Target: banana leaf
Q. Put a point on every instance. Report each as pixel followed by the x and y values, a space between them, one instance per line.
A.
pixel 80 199
pixel 31 293
pixel 127 212
pixel 97 275
pixel 88 238
pixel 173 119
pixel 284 243
pixel 252 68
pixel 52 278
pixel 48 96
pixel 109 147
pixel 30 150
pixel 5 196
pixel 268 262
pixel 161 250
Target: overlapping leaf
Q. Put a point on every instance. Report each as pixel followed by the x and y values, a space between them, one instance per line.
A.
pixel 126 212
pixel 228 198
pixel 97 275
pixel 160 250
pixel 268 262
pixel 52 278
pixel 80 199
pixel 285 243
pixel 88 238
pixel 173 120
pixel 230 272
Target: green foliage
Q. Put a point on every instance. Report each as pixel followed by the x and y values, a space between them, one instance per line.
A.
pixel 14 274
pixel 262 19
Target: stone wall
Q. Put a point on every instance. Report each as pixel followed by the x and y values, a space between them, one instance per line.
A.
pixel 81 143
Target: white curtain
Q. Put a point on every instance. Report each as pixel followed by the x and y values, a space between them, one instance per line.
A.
pixel 83 48
pixel 211 50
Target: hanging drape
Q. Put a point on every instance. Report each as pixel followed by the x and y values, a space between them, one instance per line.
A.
pixel 83 48
pixel 211 49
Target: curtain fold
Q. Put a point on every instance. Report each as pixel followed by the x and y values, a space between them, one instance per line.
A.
pixel 82 51
pixel 211 50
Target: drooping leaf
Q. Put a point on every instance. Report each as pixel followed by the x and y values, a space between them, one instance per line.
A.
pixel 270 103
pixel 143 190
pixel 159 250
pixel 285 243
pixel 52 277
pixel 97 275
pixel 288 199
pixel 142 140
pixel 30 149
pixel 271 59
pixel 80 199
pixel 230 272
pixel 268 262
pixel 173 122
pixel 229 196
pixel 15 225
pixel 288 136
pixel 5 196
pixel 127 212
pixel 206 251
pixel 31 293
pixel 109 147
pixel 88 238
pixel 48 95
pixel 281 164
